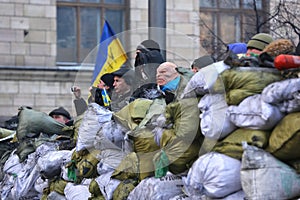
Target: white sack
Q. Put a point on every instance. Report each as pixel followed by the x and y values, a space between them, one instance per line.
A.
pixel 40 184
pixel 157 188
pixel 253 113
pixel 109 159
pixel 50 164
pixel 215 124
pixel 55 196
pixel 12 164
pixel 94 117
pixel 265 177
pixel 107 185
pixel 214 175
pixel 77 192
pixel 284 94
pixel 202 82
pixel 26 178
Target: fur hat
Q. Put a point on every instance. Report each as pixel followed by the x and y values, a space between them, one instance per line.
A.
pixel 259 41
pixel 60 111
pixel 279 46
pixel 108 79
pixel 148 45
pixel 202 61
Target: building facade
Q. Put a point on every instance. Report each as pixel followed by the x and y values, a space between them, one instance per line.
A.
pixel 43 43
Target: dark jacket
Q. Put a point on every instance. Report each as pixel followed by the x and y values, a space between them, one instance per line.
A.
pixel 96 96
pixel 146 63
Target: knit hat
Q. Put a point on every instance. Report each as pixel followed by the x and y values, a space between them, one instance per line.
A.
pixel 148 45
pixel 108 79
pixel 203 61
pixel 279 46
pixel 259 41
pixel 237 48
pixel 60 111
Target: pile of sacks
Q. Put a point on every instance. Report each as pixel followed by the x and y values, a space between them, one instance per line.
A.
pixel 233 134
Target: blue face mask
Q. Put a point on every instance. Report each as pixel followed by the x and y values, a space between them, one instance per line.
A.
pixel 171 85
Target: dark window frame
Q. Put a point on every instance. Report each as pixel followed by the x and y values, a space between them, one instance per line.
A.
pixel 242 12
pixel 102 6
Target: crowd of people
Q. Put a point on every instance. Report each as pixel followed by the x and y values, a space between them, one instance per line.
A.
pixel 160 116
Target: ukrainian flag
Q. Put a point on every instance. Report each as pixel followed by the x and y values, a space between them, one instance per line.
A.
pixel 111 55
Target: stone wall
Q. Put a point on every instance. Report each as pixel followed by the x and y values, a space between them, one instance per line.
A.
pixel 28 32
pixel 40 88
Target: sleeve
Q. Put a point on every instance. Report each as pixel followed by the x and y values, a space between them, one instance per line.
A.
pixel 80 106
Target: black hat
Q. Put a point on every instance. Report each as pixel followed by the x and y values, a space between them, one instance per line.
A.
pixel 203 61
pixel 60 111
pixel 148 45
pixel 108 79
pixel 120 72
pixel 126 73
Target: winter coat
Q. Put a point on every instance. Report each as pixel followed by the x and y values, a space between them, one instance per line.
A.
pixel 145 65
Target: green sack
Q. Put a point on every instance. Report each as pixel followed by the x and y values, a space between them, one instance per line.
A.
pixel 95 191
pixel 232 144
pixel 161 164
pixel 32 123
pixel 285 138
pixel 124 189
pixel 5 133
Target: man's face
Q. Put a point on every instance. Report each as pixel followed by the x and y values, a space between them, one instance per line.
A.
pixel 60 118
pixel 195 69
pixel 120 86
pixel 102 85
pixel 165 72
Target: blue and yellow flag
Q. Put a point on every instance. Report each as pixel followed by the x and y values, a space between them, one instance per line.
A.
pixel 111 55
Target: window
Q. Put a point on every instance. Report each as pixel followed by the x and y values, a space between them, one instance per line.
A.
pixel 228 21
pixel 79 26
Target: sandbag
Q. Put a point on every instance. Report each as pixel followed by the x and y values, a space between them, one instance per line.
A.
pixel 55 196
pixel 283 94
pixel 77 192
pixel 109 159
pixel 94 117
pixel 242 82
pixel 124 189
pixel 254 113
pixel 87 165
pixel 32 123
pixel 285 138
pixel 57 185
pixel 232 144
pixel 5 133
pixel 50 164
pixel 110 135
pixel 130 115
pixel 95 191
pixel 265 177
pixel 25 178
pixel 215 124
pixel 214 175
pixel 40 185
pixel 128 168
pixel 107 185
pixel 202 82
pixel 157 188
